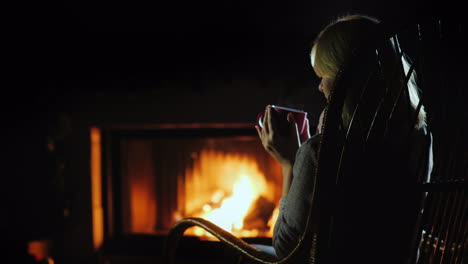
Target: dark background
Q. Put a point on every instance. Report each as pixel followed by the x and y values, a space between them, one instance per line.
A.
pixel 65 50
pixel 142 45
pixel 75 64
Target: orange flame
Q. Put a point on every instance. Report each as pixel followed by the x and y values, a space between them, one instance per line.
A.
pixel 225 174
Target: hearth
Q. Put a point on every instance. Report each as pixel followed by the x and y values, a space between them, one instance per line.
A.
pixel 148 177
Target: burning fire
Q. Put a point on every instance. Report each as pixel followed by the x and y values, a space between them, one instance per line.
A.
pixel 233 195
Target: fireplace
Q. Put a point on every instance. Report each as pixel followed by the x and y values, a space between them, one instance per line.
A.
pixel 153 176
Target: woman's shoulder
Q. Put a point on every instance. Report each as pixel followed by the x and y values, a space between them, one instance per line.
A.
pixel 312 144
pixel 307 157
pixel 313 140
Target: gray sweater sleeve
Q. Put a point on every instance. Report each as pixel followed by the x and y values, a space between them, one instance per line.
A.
pixel 295 205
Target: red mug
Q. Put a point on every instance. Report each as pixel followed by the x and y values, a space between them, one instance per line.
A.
pixel 299 115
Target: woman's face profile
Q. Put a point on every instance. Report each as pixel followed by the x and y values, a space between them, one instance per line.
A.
pixel 325 86
pixel 326 83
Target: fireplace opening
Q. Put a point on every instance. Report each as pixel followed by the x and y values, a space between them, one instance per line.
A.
pixel 158 176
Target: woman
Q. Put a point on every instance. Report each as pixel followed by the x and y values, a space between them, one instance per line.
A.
pixel 332 49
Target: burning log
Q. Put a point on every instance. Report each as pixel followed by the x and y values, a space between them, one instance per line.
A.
pixel 259 214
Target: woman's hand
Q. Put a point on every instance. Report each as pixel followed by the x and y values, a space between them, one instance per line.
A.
pixel 283 145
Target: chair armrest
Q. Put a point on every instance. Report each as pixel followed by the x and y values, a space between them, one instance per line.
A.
pixel 238 245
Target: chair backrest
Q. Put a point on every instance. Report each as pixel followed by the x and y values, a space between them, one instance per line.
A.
pixel 441 234
pixel 375 198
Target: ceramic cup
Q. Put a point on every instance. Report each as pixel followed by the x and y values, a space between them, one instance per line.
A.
pixel 299 116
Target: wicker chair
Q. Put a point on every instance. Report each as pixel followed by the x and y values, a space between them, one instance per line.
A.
pixel 366 207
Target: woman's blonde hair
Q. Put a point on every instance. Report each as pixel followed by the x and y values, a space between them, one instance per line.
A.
pixel 336 43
